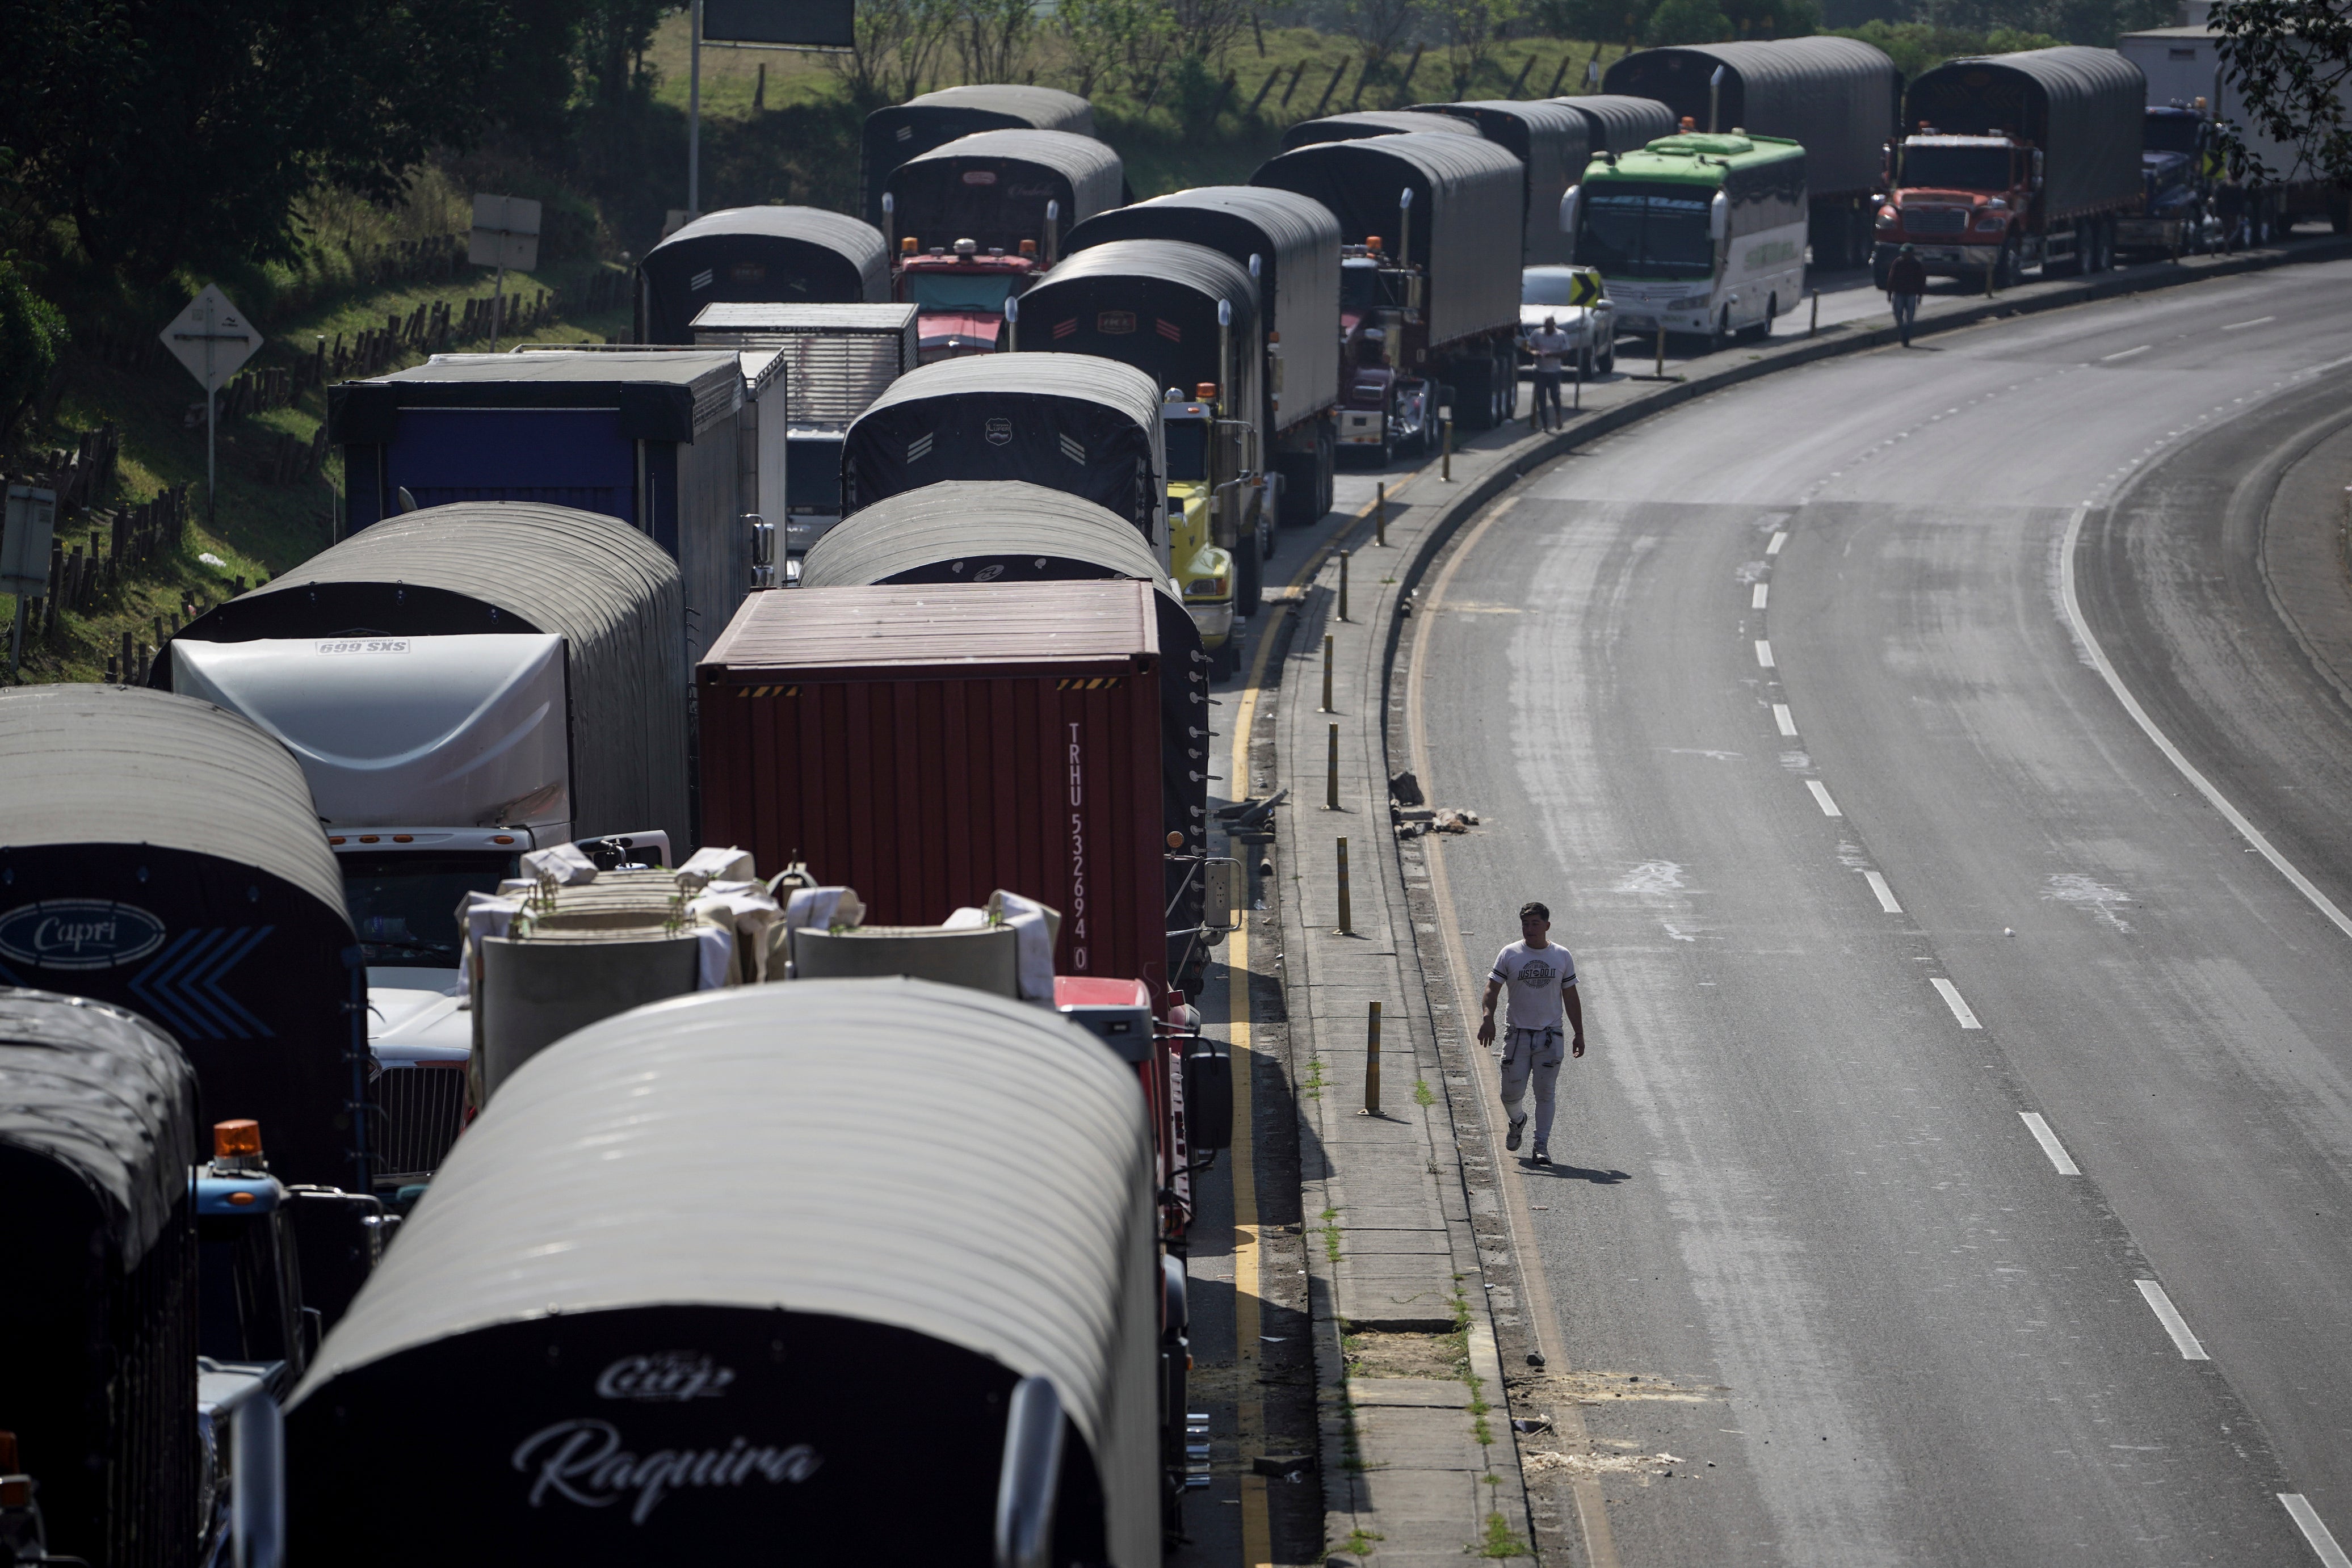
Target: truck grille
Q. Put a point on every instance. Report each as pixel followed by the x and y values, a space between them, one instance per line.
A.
pixel 424 1111
pixel 1935 221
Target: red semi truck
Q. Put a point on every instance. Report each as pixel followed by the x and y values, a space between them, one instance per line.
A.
pixel 2014 161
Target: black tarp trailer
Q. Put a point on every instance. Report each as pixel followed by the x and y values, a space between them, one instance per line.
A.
pixel 682 1236
pixel 1461 233
pixel 1838 97
pixel 1617 123
pixel 908 130
pixel 1553 142
pixel 161 854
pixel 1012 531
pixel 995 188
pixel 1357 124
pixel 652 438
pixel 2084 109
pixel 795 256
pixel 1184 315
pixel 98 1131
pixel 1297 243
pixel 1073 423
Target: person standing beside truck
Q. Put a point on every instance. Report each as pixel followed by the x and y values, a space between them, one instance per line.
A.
pixel 1550 346
pixel 1541 977
pixel 1906 280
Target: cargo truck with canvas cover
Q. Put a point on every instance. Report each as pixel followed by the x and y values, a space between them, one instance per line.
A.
pixel 977 221
pixel 758 256
pixel 2015 160
pixel 1695 233
pixel 163 855
pixel 1429 279
pixel 1290 244
pixel 690 1232
pixel 1552 141
pixel 900 132
pixel 1617 123
pixel 1187 317
pixel 460 686
pixel 836 359
pixel 1073 423
pixel 1359 124
pixel 1835 98
pixel 651 438
pixel 2182 66
pixel 1018 533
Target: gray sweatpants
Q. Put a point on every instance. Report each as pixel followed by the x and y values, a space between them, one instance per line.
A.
pixel 1532 1055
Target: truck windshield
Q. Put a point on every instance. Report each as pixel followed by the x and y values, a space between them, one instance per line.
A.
pixel 404 906
pixel 1360 288
pixel 2170 132
pixel 980 293
pixel 1546 285
pixel 813 476
pixel 1660 232
pixel 1188 450
pixel 1956 168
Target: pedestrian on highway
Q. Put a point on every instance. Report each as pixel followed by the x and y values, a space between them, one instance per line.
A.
pixel 2229 203
pixel 1906 281
pixel 1541 977
pixel 1549 346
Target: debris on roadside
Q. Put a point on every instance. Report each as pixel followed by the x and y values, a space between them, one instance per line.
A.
pixel 1413 821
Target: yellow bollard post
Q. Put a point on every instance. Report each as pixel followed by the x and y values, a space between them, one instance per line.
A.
pixel 1343 585
pixel 1816 324
pixel 1661 369
pixel 1331 779
pixel 1381 513
pixel 1446 471
pixel 1372 1062
pixel 1326 672
pixel 1347 919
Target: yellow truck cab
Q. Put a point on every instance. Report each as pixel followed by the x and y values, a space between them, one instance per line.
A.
pixel 1203 569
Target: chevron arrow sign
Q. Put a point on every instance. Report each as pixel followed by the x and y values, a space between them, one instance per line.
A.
pixel 182 986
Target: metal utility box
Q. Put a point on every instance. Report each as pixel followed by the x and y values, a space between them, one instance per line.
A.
pixel 929 744
pixel 651 438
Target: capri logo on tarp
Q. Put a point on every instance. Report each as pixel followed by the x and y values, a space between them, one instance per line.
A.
pixel 999 431
pixel 79 934
pixel 672 1375
pixel 585 1462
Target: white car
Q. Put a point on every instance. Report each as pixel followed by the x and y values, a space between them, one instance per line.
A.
pixel 1549 291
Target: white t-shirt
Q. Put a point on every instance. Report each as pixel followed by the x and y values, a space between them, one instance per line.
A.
pixel 1533 976
pixel 1549 348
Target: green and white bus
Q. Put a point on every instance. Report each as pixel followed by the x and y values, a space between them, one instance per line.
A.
pixel 1700 233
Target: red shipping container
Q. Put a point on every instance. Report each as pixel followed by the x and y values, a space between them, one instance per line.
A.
pixel 926 744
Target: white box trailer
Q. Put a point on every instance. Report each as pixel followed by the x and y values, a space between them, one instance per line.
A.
pixel 2183 65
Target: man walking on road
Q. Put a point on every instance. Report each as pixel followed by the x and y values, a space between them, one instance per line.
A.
pixel 1541 975
pixel 1549 346
pixel 1906 281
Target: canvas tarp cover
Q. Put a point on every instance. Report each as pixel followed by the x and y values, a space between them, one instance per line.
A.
pixel 1467 192
pixel 1153 305
pixel 2084 107
pixel 1554 143
pixel 661 396
pixel 1357 124
pixel 991 188
pixel 612 594
pixel 909 129
pixel 1297 240
pixel 163 855
pixel 1069 421
pixel 744 1152
pixel 1835 96
pixel 756 254
pixel 103 1093
pixel 1617 123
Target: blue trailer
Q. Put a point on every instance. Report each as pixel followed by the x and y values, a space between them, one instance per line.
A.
pixel 655 438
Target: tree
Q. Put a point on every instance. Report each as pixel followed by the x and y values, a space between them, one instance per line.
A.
pixel 994 37
pixel 1124 44
pixel 32 336
pixel 2291 61
pixel 1472 29
pixel 896 44
pixel 1378 26
pixel 1687 22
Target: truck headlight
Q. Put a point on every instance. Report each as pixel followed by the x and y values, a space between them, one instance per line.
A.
pixel 1991 222
pixel 1888 217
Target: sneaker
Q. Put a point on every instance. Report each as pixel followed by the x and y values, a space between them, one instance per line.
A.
pixel 1542 1156
pixel 1511 1138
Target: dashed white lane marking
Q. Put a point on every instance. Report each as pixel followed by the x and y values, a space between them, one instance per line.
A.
pixel 1777 540
pixel 2323 1540
pixel 1822 794
pixel 2174 1324
pixel 1764 652
pixel 1885 893
pixel 1756 602
pixel 2059 1158
pixel 1784 718
pixel 2219 802
pixel 2257 322
pixel 2125 354
pixel 1952 999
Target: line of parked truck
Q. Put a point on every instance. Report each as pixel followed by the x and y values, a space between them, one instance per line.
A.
pixel 890 562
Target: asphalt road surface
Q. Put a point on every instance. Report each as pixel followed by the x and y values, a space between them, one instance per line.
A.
pixel 1892 918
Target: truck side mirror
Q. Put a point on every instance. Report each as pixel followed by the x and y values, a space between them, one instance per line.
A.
pixel 1208 1096
pixel 1718 218
pixel 1567 203
pixel 1223 883
pixel 1029 1476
